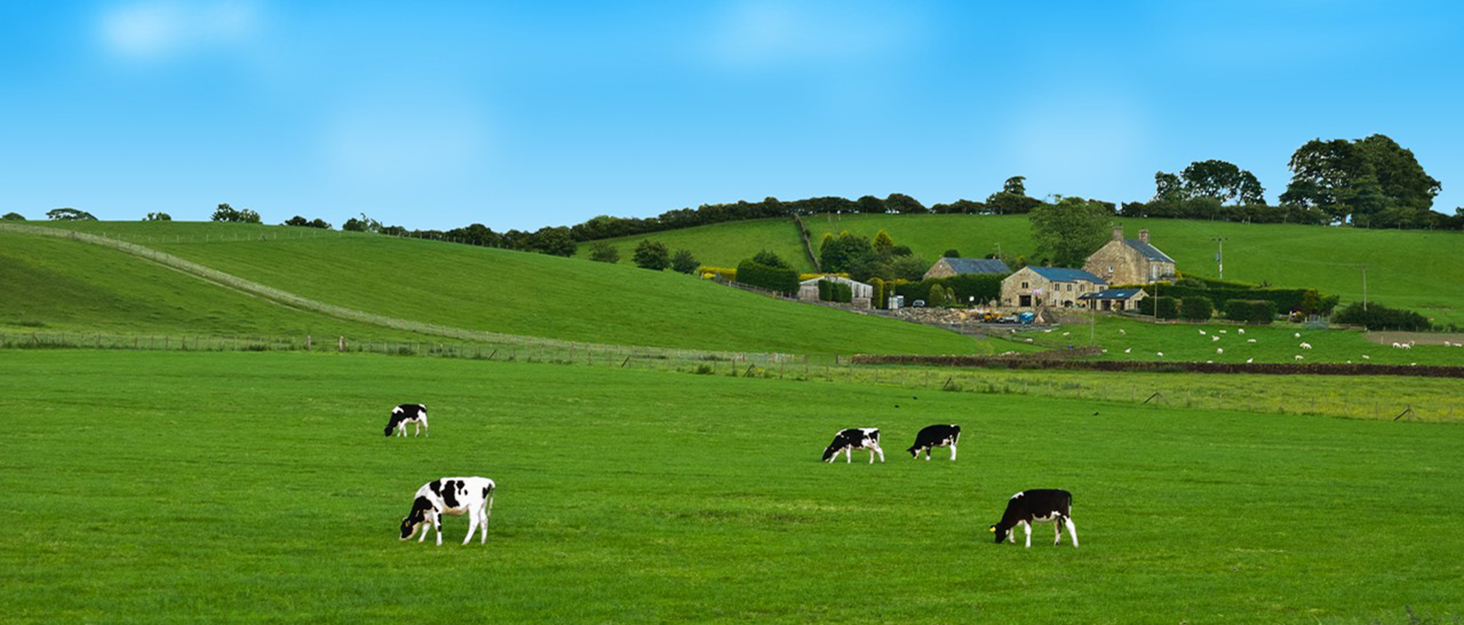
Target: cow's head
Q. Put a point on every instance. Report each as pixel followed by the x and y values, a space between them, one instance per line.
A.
pixel 1000 533
pixel 914 452
pixel 416 517
pixel 832 451
pixel 392 423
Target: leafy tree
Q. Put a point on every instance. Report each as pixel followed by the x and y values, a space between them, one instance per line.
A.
pixel 1016 185
pixel 1070 230
pixel 226 213
pixel 951 253
pixel 652 255
pixel 158 217
pixel 904 204
pixel 604 252
pixel 901 250
pixel 906 268
pixel 555 241
pixel 13 217
pixel 69 214
pixel 770 259
pixel 845 252
pixel 1372 182
pixel 883 243
pixel 364 224
pixel 297 221
pixel 1196 308
pixel 871 204
pixel 1167 187
pixel 1222 180
pixel 684 262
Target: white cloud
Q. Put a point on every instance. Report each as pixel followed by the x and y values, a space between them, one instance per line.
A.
pixel 163 28
pixel 760 33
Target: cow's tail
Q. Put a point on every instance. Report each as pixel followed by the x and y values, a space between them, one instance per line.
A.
pixel 488 514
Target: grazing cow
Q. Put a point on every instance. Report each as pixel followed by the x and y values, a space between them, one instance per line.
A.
pixel 408 413
pixel 456 496
pixel 1037 505
pixel 936 436
pixel 846 441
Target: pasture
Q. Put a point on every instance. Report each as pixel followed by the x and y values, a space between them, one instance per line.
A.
pixel 243 487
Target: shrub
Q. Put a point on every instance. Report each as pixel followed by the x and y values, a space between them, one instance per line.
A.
pixel 824 289
pixel 878 297
pixel 1251 311
pixel 652 255
pixel 950 254
pixel 725 273
pixel 780 279
pixel 842 292
pixel 1379 317
pixel 684 262
pixel 13 217
pixel 770 259
pixel 602 252
pixel 936 296
pixel 229 214
pixel 1166 306
pixel 69 214
pixel 158 217
pixel 1196 308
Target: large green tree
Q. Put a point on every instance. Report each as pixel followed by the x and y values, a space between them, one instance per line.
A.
pixel 1372 182
pixel 1070 230
pixel 1223 181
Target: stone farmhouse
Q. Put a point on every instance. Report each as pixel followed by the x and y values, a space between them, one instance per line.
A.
pixel 947 267
pixel 1033 287
pixel 1130 261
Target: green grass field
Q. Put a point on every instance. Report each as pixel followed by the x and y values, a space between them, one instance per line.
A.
pixel 1407 268
pixel 1127 339
pixel 165 487
pixel 478 289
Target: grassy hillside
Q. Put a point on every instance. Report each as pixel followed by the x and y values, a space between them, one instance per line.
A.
pixel 1421 270
pixel 721 245
pixel 527 294
pixel 144 500
pixel 59 285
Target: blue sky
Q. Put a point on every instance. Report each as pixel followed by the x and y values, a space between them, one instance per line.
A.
pixel 435 115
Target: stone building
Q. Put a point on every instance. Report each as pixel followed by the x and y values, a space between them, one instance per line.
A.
pixel 863 293
pixel 947 267
pixel 1130 261
pixel 1034 287
pixel 1113 299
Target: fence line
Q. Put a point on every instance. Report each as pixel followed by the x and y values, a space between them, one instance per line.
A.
pixel 342 312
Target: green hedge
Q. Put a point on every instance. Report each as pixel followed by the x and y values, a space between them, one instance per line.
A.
pixel 1308 301
pixel 983 287
pixel 778 279
pixel 1251 311
pixel 1379 317
pixel 833 291
pixel 1168 307
pixel 1196 308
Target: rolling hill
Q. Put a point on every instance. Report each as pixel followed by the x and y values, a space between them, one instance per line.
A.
pixel 1415 269
pixel 463 287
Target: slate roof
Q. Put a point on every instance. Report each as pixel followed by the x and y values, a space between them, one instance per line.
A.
pixel 1148 251
pixel 1060 274
pixel 977 265
pixel 1122 294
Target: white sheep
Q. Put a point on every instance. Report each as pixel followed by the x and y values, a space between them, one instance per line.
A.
pixel 1250 340
pixel 1223 331
pixel 1219 350
pixel 1122 331
pixel 1249 360
pixel 1298 357
pixel 1306 345
pixel 1240 330
pixel 1214 338
pixel 1159 354
pixel 1127 350
pixel 1202 332
pixel 1366 357
pixel 1296 335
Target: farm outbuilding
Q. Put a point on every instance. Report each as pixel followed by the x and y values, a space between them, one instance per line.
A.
pixel 863 293
pixel 1113 299
pixel 947 267
pixel 1034 287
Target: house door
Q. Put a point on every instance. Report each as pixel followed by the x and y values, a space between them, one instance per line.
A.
pixel 1025 301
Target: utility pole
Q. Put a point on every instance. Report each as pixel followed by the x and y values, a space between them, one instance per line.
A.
pixel 1364 288
pixel 1220 255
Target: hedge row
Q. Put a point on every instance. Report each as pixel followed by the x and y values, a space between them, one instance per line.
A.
pixel 1379 317
pixel 1424 371
pixel 1220 293
pixel 777 279
pixel 983 287
pixel 831 291
pixel 1251 311
pixel 1167 307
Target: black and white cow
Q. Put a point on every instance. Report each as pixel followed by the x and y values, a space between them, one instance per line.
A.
pixel 846 441
pixel 935 436
pixel 408 413
pixel 456 496
pixel 1037 505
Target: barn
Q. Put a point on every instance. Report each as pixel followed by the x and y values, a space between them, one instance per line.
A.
pixel 1113 299
pixel 947 267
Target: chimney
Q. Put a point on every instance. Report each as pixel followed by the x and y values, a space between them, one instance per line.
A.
pixel 1118 233
pixel 1144 236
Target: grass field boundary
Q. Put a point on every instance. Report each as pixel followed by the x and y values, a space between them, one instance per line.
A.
pixel 294 300
pixel 1262 368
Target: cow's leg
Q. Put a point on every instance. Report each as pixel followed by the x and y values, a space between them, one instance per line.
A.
pixel 483 539
pixel 878 450
pixel 437 524
pixel 487 514
pixel 426 529
pixel 848 455
pixel 1057 528
pixel 927 454
pixel 953 451
pixel 1027 525
pixel 1072 530
pixel 425 427
pixel 472 526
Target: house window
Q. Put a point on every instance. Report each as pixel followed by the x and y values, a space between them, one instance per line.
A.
pixel 1024 285
pixel 1070 287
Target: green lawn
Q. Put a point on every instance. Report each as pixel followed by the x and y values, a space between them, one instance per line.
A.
pixel 1127 339
pixel 1409 268
pixel 168 487
pixel 69 286
pixel 526 294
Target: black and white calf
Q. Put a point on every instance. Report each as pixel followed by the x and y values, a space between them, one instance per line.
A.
pixel 456 496
pixel 408 413
pixel 1037 505
pixel 935 436
pixel 846 441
